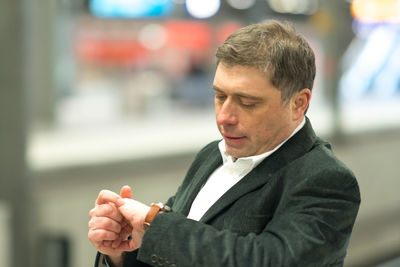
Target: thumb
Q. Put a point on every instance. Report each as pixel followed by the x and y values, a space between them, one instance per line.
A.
pixel 126 191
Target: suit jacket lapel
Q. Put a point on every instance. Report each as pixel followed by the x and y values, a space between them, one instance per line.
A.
pixel 249 183
pixel 294 148
pixel 199 178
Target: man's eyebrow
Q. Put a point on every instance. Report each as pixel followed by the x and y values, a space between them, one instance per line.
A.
pixel 216 89
pixel 239 94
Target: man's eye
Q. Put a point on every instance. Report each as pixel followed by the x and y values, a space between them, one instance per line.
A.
pixel 220 97
pixel 247 105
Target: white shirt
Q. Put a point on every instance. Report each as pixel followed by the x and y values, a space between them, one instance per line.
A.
pixel 226 176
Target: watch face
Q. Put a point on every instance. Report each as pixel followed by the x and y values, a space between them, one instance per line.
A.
pixel 162 207
pixel 167 208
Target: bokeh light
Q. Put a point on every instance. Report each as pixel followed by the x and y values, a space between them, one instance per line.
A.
pixel 202 9
pixel 152 36
pixel 241 4
pixel 305 7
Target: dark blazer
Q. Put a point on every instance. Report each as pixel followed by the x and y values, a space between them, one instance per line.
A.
pixel 296 208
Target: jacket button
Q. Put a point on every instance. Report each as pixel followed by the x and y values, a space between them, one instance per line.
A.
pixel 154 258
pixel 160 261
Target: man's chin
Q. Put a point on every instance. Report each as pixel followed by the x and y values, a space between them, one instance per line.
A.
pixel 235 152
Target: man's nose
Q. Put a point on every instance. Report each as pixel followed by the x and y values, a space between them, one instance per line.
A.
pixel 226 115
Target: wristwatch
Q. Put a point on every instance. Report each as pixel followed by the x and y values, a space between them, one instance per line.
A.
pixel 155 209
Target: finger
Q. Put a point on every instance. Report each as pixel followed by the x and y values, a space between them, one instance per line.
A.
pixel 126 192
pixel 90 223
pixel 123 236
pixel 106 224
pixel 97 236
pixel 92 212
pixel 127 245
pixel 107 210
pixel 126 230
pixel 106 196
pixel 107 243
pixel 125 223
pixel 116 243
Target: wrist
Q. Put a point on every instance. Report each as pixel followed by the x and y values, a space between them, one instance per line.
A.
pixel 115 261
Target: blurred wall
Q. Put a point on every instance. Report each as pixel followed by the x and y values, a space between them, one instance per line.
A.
pixel 374 159
pixel 15 220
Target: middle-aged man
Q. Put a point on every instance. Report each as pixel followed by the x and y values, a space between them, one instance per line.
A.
pixel 270 193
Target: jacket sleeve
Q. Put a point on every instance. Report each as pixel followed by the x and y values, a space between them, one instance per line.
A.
pixel 311 227
pixel 129 260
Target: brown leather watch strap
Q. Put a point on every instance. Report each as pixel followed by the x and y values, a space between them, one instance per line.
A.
pixel 154 210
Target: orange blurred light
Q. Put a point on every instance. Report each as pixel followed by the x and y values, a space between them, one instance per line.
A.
pixel 109 51
pixel 376 10
pixel 188 35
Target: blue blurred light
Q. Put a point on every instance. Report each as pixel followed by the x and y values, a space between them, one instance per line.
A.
pixel 131 8
pixel 374 68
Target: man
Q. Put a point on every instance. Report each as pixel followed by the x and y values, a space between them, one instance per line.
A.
pixel 271 193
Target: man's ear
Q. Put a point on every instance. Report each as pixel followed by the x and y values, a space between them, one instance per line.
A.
pixel 300 102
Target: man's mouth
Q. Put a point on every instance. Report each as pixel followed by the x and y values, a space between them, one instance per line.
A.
pixel 234 139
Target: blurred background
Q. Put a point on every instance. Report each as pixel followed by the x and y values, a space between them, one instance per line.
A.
pixel 101 93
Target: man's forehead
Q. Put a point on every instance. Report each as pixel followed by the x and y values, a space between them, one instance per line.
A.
pixel 247 81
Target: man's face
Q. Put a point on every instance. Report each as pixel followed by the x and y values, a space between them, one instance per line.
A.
pixel 249 111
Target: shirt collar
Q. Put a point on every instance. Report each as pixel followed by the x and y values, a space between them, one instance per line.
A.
pixel 253 161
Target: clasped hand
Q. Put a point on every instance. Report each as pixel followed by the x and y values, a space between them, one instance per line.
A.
pixel 116 222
